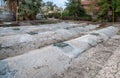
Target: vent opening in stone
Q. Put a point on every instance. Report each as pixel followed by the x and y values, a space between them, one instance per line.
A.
pixel 32 33
pixel 61 45
pixel 96 34
pixel 64 47
pixel 16 28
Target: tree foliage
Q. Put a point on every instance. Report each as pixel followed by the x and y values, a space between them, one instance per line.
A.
pixel 106 6
pixel 50 4
pixel 29 8
pixel 75 9
pixel 12 5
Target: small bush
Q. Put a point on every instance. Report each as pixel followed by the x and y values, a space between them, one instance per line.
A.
pixel 55 15
pixel 65 13
pixel 84 18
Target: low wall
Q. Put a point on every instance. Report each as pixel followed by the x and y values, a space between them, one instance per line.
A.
pixel 5 31
pixel 18 44
pixel 48 61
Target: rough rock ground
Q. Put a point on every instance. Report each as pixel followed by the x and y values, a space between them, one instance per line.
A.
pixel 19 43
pixel 4 31
pixel 49 63
pixel 101 61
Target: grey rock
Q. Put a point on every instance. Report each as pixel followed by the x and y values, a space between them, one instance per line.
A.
pixel 39 16
pixel 3 68
pixel 6 15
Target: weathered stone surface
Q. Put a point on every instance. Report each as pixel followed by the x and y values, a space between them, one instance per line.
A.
pixel 50 62
pixel 39 16
pixel 6 15
pixel 78 46
pixel 111 68
pixel 38 63
pixel 85 42
pixel 53 61
pixel 18 44
pixel 4 31
pixel 69 50
pixel 109 31
pixel 90 63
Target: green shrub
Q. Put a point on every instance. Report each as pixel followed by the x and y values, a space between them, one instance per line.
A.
pixel 84 18
pixel 65 13
pixel 55 15
pixel 29 8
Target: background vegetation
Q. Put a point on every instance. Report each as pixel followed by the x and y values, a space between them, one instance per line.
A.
pixel 27 9
pixel 109 10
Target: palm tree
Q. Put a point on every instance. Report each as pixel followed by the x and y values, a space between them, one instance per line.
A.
pixel 13 6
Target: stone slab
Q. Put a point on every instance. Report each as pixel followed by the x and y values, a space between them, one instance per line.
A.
pixel 38 63
pixel 19 44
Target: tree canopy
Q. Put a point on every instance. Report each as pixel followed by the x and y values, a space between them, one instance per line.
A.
pixel 27 9
pixel 107 8
pixel 75 9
